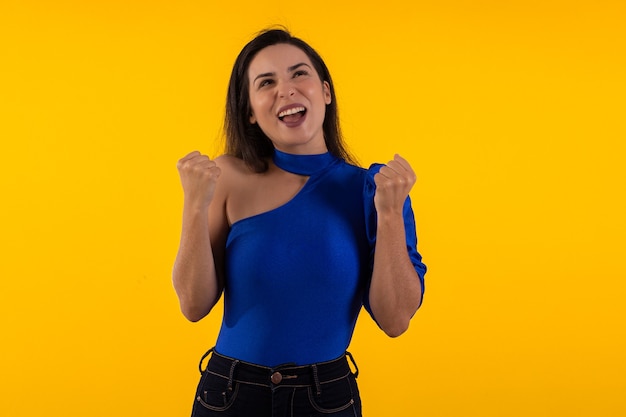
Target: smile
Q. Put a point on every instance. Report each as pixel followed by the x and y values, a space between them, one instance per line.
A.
pixel 291 111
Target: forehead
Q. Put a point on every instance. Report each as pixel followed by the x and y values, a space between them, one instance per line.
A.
pixel 277 58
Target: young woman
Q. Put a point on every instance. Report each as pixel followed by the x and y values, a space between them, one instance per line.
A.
pixel 297 237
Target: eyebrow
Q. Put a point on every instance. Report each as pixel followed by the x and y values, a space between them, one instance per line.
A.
pixel 289 69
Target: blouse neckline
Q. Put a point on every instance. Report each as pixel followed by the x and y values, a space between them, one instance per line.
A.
pixel 302 164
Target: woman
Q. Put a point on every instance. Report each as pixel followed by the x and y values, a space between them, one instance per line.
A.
pixel 296 236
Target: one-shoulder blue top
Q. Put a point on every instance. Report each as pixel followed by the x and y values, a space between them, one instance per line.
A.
pixel 298 275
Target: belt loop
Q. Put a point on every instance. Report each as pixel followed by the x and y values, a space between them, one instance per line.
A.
pixel 318 386
pixel 208 352
pixel 231 374
pixel 349 355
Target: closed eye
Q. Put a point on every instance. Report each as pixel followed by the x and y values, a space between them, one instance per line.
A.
pixel 299 73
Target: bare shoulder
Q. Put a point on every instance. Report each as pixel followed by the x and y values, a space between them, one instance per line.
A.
pixel 232 176
pixel 232 165
pixel 235 176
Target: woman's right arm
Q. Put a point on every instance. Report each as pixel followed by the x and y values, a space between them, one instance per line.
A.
pixel 198 270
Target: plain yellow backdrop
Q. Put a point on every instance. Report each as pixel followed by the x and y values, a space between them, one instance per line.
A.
pixel 511 112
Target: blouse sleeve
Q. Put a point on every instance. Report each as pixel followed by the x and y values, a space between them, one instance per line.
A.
pixel 371 223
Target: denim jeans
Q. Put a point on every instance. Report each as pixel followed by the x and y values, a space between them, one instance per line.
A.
pixel 232 388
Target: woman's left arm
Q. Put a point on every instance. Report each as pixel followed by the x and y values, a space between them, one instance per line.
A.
pixel 396 291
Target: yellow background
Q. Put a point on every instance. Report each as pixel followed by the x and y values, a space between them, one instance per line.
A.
pixel 512 114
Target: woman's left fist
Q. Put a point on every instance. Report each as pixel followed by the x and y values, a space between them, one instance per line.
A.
pixel 393 183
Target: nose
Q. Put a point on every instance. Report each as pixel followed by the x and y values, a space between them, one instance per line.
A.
pixel 286 90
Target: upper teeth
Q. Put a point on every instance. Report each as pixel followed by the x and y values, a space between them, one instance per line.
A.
pixel 293 110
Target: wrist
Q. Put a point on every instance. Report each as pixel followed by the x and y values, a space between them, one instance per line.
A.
pixel 389 215
pixel 195 209
pixel 390 220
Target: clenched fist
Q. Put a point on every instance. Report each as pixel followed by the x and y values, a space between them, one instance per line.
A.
pixel 393 183
pixel 198 175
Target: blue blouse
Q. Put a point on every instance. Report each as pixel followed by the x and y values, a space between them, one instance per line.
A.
pixel 298 275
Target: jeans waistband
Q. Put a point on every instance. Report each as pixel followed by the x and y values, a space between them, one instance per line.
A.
pixel 290 375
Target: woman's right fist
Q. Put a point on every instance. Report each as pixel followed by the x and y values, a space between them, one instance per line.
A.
pixel 198 175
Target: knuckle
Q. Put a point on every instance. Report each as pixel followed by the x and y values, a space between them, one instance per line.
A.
pixel 183 166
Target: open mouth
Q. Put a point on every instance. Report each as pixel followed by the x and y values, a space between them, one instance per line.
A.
pixel 292 115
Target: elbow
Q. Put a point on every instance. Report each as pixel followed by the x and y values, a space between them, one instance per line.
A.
pixel 397 328
pixel 396 322
pixel 393 323
pixel 192 316
pixel 194 313
pixel 193 303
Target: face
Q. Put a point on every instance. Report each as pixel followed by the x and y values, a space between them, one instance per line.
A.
pixel 288 99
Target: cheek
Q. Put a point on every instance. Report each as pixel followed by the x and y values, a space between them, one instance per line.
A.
pixel 314 90
pixel 261 110
pixel 258 104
